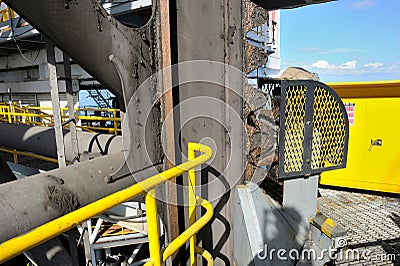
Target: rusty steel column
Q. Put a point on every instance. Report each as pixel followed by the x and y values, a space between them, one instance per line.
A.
pixel 168 106
pixel 212 30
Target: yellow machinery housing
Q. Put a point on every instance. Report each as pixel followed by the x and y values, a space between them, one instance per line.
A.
pixel 373 162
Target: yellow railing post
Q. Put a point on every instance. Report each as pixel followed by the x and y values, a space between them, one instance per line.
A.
pixel 192 202
pixel 152 227
pixel 9 115
pixel 11 111
pixel 115 122
pixel 15 155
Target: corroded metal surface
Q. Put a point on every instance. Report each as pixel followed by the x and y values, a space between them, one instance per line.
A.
pixel 254 16
pixel 262 132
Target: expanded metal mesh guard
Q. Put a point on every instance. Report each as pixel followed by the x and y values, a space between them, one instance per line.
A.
pixel 294 129
pixel 314 129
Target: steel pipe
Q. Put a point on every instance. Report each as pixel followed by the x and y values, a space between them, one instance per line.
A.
pixel 32 201
pixel 41 140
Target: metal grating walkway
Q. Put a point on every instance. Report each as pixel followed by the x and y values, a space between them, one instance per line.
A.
pixel 372 223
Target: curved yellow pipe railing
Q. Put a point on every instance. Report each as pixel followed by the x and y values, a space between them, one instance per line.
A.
pixel 191 231
pixel 43 233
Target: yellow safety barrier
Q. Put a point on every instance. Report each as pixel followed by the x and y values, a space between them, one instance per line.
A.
pixel 41 116
pixel 19 244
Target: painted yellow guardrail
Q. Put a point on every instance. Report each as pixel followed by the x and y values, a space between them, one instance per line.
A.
pixel 41 116
pixel 17 153
pixel 43 233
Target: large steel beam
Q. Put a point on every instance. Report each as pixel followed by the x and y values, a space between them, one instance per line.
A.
pixel 84 30
pixel 41 140
pixel 212 30
pixel 59 256
pixel 29 202
pixel 119 57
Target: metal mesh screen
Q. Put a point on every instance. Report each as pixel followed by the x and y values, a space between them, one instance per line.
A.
pixel 294 128
pixel 313 129
pixel 329 133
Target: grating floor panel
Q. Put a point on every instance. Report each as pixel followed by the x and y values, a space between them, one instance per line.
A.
pixel 372 223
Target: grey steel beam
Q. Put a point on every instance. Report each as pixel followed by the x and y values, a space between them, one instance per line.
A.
pixel 41 140
pixel 59 256
pixel 84 30
pixel 212 30
pixel 119 57
pixel 29 202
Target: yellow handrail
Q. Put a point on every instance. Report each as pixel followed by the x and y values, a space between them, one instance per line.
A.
pixel 43 233
pixel 35 115
pixel 190 232
pixel 15 154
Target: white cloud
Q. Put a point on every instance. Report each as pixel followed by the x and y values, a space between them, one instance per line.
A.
pixel 364 4
pixel 349 65
pixel 350 71
pixel 323 64
pixel 374 65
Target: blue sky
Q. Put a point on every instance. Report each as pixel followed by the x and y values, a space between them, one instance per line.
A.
pixel 345 40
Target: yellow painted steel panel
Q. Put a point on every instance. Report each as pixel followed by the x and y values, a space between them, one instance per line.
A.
pixel 368 89
pixel 371 167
